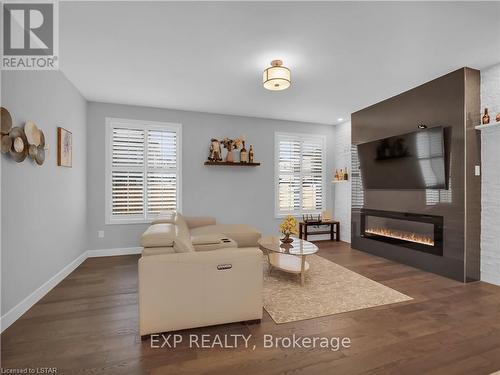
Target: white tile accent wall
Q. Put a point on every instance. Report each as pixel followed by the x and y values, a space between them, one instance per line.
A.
pixel 490 90
pixel 341 192
pixel 490 180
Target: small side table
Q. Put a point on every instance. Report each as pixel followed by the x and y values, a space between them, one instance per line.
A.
pixel 334 231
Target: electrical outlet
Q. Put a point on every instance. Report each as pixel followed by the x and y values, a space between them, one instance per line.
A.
pixel 100 234
pixel 477 170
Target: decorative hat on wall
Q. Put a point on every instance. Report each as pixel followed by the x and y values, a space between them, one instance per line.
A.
pixel 6 125
pixel 19 148
pixel 6 144
pixel 36 141
pixel 6 119
pixel 19 142
pixel 32 133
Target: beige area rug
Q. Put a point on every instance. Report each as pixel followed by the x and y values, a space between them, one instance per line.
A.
pixel 329 289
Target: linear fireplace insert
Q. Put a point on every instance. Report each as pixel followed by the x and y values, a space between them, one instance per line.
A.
pixel 413 231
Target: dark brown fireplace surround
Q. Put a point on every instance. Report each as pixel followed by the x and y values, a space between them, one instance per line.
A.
pixel 434 230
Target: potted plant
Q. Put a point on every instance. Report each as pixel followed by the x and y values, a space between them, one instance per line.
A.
pixel 288 227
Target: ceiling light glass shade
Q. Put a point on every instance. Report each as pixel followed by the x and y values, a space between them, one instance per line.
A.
pixel 276 77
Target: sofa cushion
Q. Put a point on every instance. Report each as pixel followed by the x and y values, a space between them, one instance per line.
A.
pixel 183 245
pixel 214 241
pixel 199 221
pixel 182 227
pixel 159 235
pixel 244 235
pixel 216 246
pixel 157 250
pixel 165 217
pixel 207 239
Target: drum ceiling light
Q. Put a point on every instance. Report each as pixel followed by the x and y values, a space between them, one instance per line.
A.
pixel 276 77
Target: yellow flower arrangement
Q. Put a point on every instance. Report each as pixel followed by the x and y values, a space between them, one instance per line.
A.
pixel 289 226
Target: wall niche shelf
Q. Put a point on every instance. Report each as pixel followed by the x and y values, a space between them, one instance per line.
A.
pixel 232 164
pixel 488 126
pixel 339 181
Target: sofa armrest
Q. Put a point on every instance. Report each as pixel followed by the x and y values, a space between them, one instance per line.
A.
pixel 199 221
pixel 187 290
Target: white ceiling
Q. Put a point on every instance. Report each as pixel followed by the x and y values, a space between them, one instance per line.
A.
pixel 209 56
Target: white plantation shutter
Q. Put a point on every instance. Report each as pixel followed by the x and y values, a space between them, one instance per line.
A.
pixel 300 174
pixel 127 179
pixel 312 174
pixel 162 149
pixel 162 171
pixel 127 192
pixel 288 180
pixel 143 169
pixel 128 147
pixel 162 192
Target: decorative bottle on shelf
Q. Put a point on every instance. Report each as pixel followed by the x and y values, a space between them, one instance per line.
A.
pixel 341 174
pixel 497 118
pixel 336 176
pixel 250 154
pixel 486 117
pixel 346 175
pixel 243 154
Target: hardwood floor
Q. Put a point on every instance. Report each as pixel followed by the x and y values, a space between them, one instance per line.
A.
pixel 89 324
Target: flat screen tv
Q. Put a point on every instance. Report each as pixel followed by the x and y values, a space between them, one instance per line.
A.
pixel 409 161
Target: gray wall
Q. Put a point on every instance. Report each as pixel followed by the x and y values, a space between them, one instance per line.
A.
pixel 43 208
pixel 232 194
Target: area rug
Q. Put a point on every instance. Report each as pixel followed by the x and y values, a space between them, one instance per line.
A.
pixel 329 289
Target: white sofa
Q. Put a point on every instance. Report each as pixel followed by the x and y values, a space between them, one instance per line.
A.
pixel 194 272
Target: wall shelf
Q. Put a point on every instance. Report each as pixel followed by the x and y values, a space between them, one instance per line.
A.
pixel 488 126
pixel 339 181
pixel 234 164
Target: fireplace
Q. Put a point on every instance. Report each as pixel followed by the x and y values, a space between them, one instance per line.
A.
pixel 413 231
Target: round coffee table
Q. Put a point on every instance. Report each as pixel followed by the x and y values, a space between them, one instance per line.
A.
pixel 288 257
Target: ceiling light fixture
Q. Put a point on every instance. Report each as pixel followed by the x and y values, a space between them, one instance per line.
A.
pixel 422 126
pixel 340 119
pixel 276 77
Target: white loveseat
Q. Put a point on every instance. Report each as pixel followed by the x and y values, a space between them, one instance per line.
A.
pixel 194 272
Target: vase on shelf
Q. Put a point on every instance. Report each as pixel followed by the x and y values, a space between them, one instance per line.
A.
pixel 229 156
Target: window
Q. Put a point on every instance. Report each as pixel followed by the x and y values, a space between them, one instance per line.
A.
pixel 143 175
pixel 299 174
pixel 358 193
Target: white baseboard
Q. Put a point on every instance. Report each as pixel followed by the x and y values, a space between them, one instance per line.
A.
pixel 17 311
pixel 113 252
pixel 490 278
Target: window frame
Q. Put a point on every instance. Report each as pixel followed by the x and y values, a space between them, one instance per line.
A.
pixel 110 123
pixel 301 137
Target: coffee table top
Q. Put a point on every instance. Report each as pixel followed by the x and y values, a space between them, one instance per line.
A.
pixel 297 247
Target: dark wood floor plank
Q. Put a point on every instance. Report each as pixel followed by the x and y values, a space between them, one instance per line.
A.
pixel 88 324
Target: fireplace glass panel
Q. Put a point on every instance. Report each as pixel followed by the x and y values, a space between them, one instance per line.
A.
pixel 400 230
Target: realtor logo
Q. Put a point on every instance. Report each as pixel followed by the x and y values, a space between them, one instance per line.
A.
pixel 30 35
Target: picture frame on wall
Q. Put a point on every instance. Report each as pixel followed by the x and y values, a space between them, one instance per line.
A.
pixel 64 148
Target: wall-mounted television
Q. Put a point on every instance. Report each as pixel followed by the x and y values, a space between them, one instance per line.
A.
pixel 409 161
